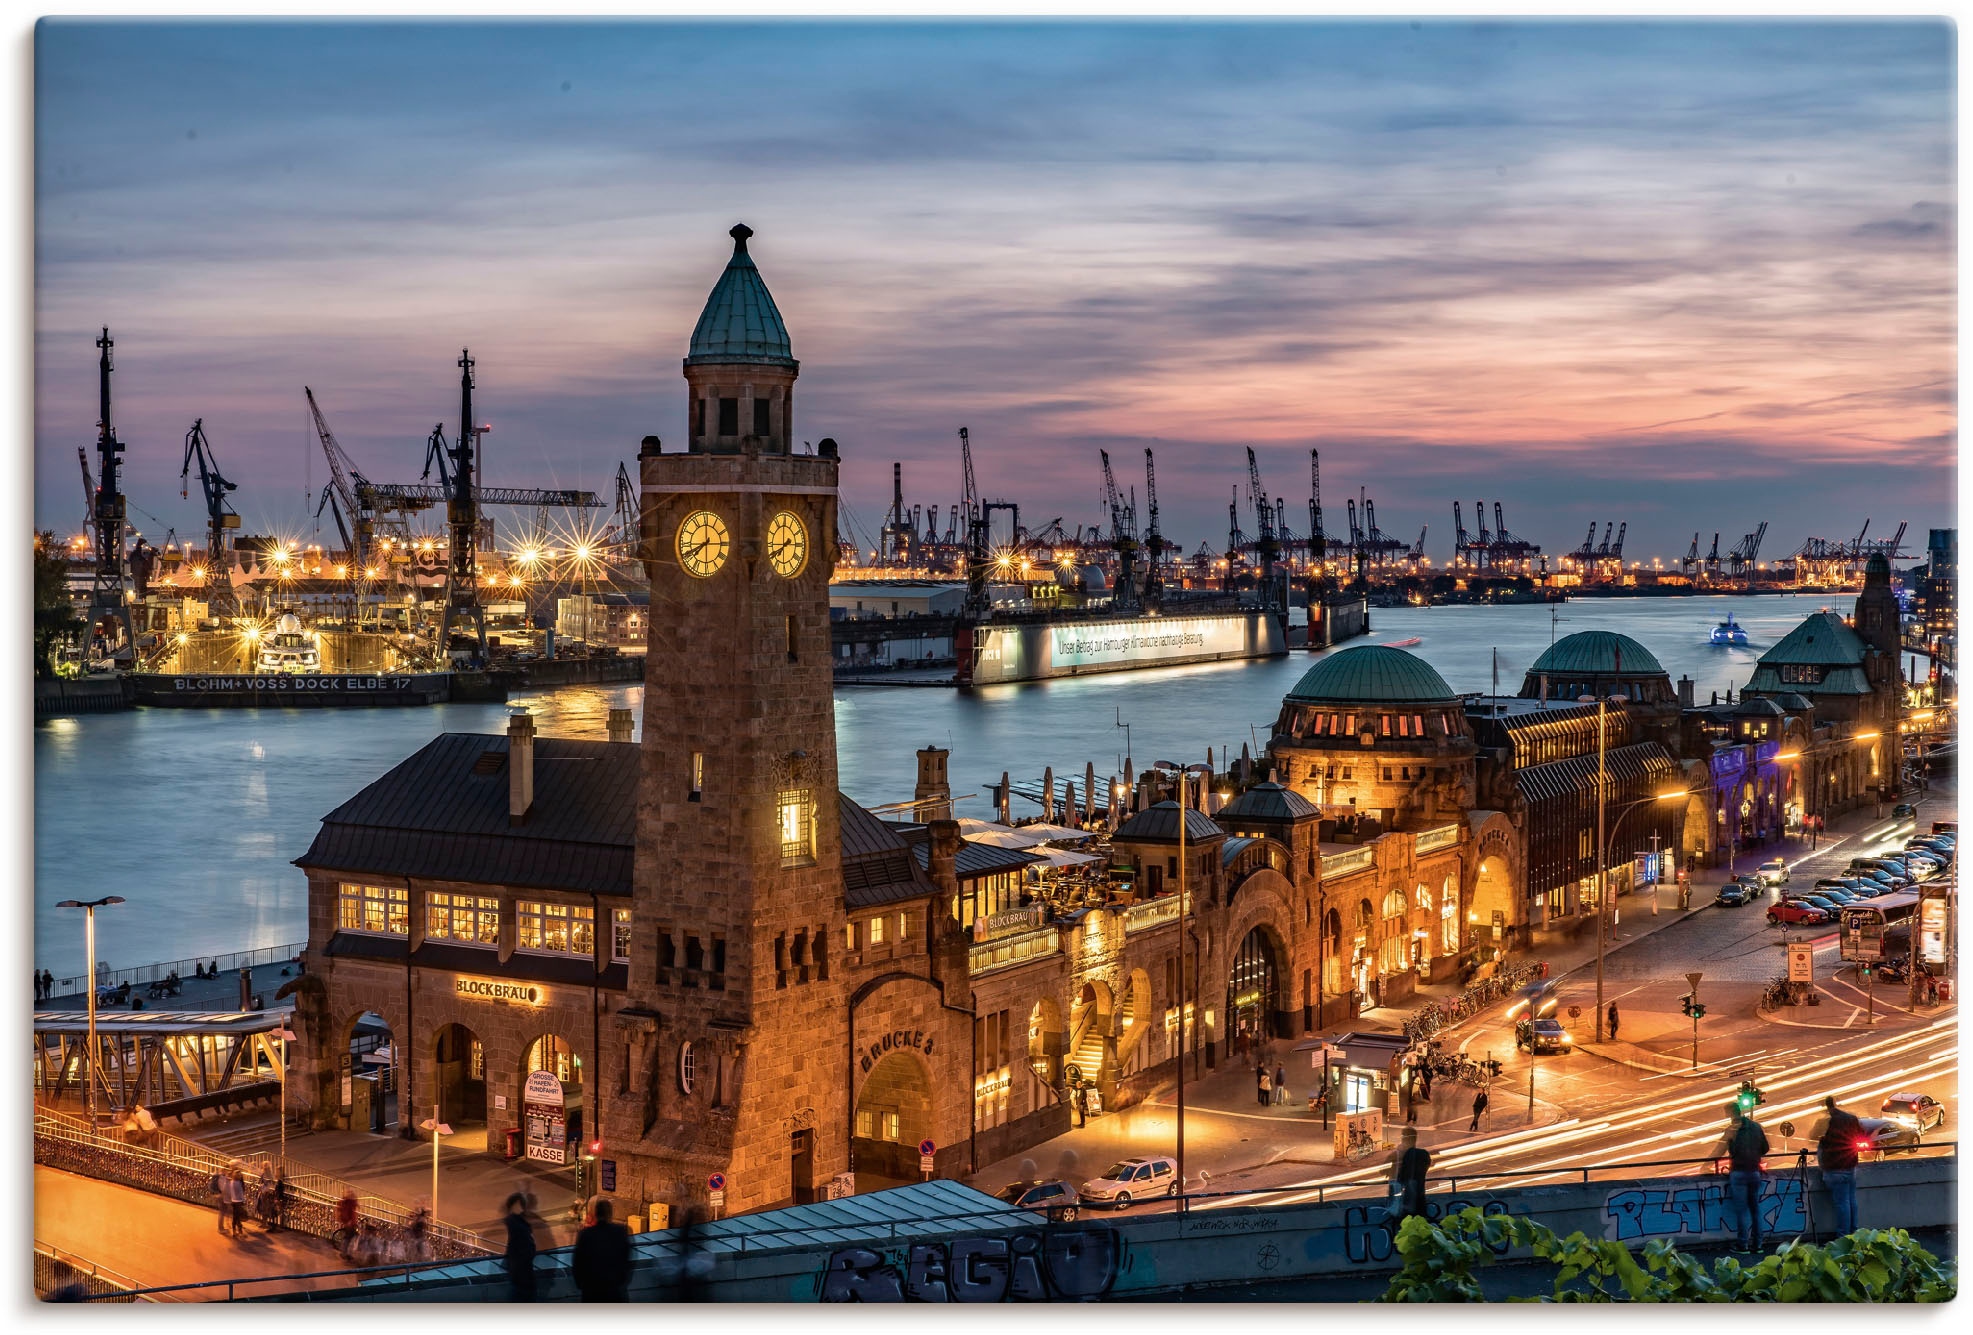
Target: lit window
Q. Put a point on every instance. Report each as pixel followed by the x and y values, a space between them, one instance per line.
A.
pixel 688 1068
pixel 558 929
pixel 474 919
pixel 374 908
pixel 876 931
pixel 698 774
pixel 620 935
pixel 797 821
pixel 849 936
pixel 904 926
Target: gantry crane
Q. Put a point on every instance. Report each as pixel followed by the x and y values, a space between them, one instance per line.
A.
pixel 221 602
pixel 1123 541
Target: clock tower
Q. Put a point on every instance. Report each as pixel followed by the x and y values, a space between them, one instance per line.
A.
pixel 734 997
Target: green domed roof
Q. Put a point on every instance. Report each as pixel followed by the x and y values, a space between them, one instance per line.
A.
pixel 1598 652
pixel 1371 673
pixel 740 322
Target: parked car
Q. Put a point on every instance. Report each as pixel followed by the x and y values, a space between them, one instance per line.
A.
pixel 1056 1199
pixel 1545 1035
pixel 1733 895
pixel 1839 893
pixel 1133 1179
pixel 1921 1111
pixel 1794 912
pixel 1828 906
pixel 1883 1136
pixel 1775 871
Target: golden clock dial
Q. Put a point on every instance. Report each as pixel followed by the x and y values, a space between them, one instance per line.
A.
pixel 703 543
pixel 787 544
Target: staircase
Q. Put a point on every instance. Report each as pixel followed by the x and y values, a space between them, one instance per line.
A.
pixel 1088 1054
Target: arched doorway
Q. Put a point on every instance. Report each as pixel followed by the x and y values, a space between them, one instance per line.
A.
pixel 371 1079
pixel 550 1133
pixel 1253 987
pixel 1048 1041
pixel 460 1077
pixel 1134 1020
pixel 1493 904
pixel 893 1114
pixel 1089 1017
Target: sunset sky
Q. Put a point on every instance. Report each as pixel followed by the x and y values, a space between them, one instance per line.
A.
pixel 1686 275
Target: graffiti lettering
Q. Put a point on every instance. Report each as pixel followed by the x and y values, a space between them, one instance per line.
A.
pixel 1367 1236
pixel 1657 1212
pixel 1022 1267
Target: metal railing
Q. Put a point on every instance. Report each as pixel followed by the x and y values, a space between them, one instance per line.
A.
pixel 1151 913
pixel 1012 950
pixel 173 1166
pixel 56 1269
pixel 1342 864
pixel 150 973
pixel 1445 836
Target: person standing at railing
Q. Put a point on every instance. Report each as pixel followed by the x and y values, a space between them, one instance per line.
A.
pixel 601 1260
pixel 518 1259
pixel 1837 1137
pixel 235 1192
pixel 1744 1147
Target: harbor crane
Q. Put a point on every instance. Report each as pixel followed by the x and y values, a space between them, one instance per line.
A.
pixel 462 593
pixel 1267 544
pixel 1741 559
pixel 1123 541
pixel 88 489
pixel 221 601
pixel 108 589
pixel 627 516
pixel 1587 552
pixel 1235 541
pixel 1154 540
pixel 1318 542
pixel 977 604
pixel 1461 545
pixel 1713 557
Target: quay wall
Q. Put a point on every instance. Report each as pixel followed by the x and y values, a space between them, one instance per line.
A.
pixel 59 697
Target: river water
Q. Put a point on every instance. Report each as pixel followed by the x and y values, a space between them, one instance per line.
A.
pixel 195 816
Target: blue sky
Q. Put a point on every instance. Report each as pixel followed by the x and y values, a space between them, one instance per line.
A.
pixel 1688 275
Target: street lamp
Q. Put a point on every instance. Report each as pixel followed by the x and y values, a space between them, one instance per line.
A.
pixel 437 1128
pixel 89 908
pixel 284 1034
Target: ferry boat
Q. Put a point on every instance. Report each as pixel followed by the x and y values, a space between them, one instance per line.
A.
pixel 1730 632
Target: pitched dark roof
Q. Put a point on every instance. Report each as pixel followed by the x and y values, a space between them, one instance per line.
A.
pixel 877 864
pixel 1823 641
pixel 1159 825
pixel 1269 801
pixel 1578 773
pixel 442 814
pixel 977 860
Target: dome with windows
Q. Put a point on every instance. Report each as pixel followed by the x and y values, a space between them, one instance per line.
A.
pixel 1372 674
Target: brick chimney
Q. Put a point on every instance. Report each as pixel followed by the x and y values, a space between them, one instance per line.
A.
pixel 619 725
pixel 1685 692
pixel 945 856
pixel 933 792
pixel 520 766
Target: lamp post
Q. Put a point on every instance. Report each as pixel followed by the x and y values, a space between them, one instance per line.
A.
pixel 89 907
pixel 284 1034
pixel 1184 992
pixel 437 1128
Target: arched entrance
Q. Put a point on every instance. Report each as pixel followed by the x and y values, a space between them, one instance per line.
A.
pixel 460 1077
pixel 1134 1020
pixel 1047 1041
pixel 1492 913
pixel 371 1078
pixel 551 1134
pixel 1253 986
pixel 893 1114
pixel 1089 1016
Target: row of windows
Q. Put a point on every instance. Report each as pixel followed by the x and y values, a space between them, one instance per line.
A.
pixel 1309 724
pixel 556 929
pixel 729 416
pixel 875 931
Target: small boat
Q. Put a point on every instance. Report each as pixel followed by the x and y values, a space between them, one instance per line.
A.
pixel 1730 632
pixel 1404 644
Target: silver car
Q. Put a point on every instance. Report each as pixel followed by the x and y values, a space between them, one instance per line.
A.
pixel 1132 1180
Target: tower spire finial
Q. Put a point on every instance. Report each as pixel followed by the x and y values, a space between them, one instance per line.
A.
pixel 740 233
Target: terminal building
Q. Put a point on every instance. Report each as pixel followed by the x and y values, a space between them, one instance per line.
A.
pixel 691 964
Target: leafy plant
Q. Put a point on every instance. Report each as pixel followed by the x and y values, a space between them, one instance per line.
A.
pixel 1869 1265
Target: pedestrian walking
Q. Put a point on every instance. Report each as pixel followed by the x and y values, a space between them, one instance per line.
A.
pixel 346 1214
pixel 519 1256
pixel 1613 1022
pixel 1267 1087
pixel 601 1262
pixel 1082 1105
pixel 1408 1168
pixel 236 1199
pixel 1260 1081
pixel 1743 1146
pixel 1280 1084
pixel 1836 1138
pixel 1479 1106
pixel 217 1185
pixel 40 989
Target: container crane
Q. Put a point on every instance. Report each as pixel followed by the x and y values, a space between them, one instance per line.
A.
pixel 1123 541
pixel 220 599
pixel 1235 540
pixel 1691 556
pixel 1617 548
pixel 1267 545
pixel 1154 541
pixel 1461 547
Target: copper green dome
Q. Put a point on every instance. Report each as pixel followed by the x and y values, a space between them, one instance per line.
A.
pixel 740 322
pixel 1597 653
pixel 1372 673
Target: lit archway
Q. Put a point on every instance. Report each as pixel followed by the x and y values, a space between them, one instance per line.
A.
pixel 893 1114
pixel 370 1085
pixel 552 1134
pixel 1492 912
pixel 1253 992
pixel 460 1074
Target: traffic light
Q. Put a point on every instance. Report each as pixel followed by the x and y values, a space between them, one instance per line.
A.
pixel 1698 1011
pixel 1685 1004
pixel 1749 1097
pixel 1866 968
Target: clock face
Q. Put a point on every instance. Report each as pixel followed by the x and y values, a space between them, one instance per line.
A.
pixel 702 543
pixel 787 544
